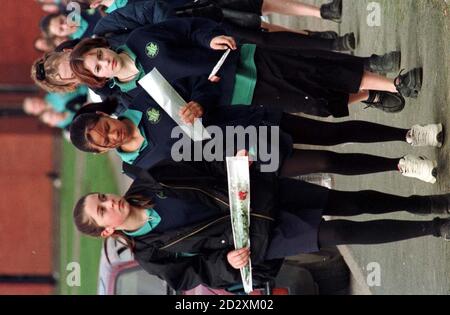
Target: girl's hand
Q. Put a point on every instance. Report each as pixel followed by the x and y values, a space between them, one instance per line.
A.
pixel 214 79
pixel 239 258
pixel 223 42
pixel 190 112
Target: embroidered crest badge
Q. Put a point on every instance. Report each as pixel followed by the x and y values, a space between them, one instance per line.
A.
pixel 151 50
pixel 154 116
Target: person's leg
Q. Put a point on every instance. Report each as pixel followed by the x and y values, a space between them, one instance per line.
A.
pixel 290 7
pixel 343 232
pixel 304 162
pixel 358 97
pixel 278 28
pixel 297 195
pixel 373 81
pixel 408 84
pixel 330 11
pixel 344 203
pixel 289 41
pixel 315 132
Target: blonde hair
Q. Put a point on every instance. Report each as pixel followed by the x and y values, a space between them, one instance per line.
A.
pixel 44 73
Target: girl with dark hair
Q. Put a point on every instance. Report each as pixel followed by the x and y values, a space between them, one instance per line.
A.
pixel 240 18
pixel 329 11
pixel 143 136
pixel 52 73
pixel 232 9
pixel 321 85
pixel 64 25
pixel 176 219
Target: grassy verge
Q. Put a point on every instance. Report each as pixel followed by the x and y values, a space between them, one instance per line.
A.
pixel 97 176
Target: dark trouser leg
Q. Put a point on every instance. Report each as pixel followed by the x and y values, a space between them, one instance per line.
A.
pixel 342 203
pixel 314 132
pixel 309 161
pixel 297 195
pixel 342 232
pixel 283 41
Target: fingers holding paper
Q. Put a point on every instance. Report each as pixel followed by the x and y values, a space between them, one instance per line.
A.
pixel 223 42
pixel 214 79
pixel 190 112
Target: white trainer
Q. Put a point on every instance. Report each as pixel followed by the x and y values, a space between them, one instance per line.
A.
pixel 418 167
pixel 425 135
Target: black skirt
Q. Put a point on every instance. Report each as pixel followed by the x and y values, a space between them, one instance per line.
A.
pixel 297 227
pixel 307 82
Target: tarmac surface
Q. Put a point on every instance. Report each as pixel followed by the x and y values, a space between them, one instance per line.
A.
pixel 419 29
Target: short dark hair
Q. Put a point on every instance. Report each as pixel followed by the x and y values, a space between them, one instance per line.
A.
pixel 44 24
pixel 108 106
pixel 79 131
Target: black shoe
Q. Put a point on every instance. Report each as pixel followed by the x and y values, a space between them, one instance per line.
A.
pixel 386 101
pixel 345 43
pixel 440 205
pixel 431 205
pixel 442 227
pixel 332 11
pixel 323 35
pixel 389 62
pixel 410 83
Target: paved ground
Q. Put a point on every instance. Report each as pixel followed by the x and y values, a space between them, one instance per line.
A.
pixel 419 28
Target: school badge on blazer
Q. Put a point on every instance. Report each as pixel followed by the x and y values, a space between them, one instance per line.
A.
pixel 153 115
pixel 152 50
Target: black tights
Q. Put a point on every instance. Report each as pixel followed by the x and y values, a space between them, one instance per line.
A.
pixel 345 232
pixel 285 41
pixel 340 232
pixel 314 132
pixel 296 195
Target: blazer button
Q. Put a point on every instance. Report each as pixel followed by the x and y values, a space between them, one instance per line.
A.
pixel 223 241
pixel 306 98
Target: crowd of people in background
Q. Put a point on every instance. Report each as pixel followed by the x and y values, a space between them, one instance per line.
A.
pixel 271 73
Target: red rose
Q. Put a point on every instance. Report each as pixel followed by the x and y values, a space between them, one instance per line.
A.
pixel 242 195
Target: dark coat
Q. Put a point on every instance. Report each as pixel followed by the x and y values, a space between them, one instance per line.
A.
pixel 117 26
pixel 183 49
pixel 159 134
pixel 160 253
pixel 183 52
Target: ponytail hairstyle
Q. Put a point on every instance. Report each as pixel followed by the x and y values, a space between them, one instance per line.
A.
pixel 77 61
pixel 44 73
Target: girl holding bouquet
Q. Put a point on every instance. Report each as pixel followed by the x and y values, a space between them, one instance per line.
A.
pixel 176 219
